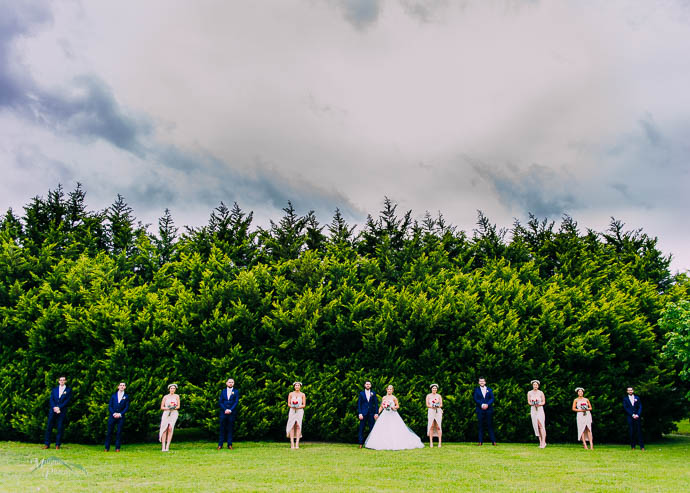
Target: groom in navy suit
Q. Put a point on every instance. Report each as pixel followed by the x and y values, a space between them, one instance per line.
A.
pixel 57 411
pixel 229 397
pixel 632 405
pixel 117 407
pixel 367 409
pixel 484 400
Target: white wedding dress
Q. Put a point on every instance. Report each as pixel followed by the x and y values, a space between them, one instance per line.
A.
pixel 391 433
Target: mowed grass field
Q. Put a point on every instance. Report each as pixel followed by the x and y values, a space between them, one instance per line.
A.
pixel 263 466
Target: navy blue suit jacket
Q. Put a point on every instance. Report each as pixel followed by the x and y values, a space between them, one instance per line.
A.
pixel 225 403
pixel 59 401
pixel 365 407
pixel 632 409
pixel 479 399
pixel 118 407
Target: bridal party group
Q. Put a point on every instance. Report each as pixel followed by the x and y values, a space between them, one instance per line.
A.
pixel 379 417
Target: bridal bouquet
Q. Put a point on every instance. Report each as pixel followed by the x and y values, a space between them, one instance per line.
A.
pixel 294 403
pixel 387 406
pixel 436 403
pixel 535 402
pixel 584 407
pixel 171 407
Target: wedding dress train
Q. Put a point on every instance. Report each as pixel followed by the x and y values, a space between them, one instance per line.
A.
pixel 391 433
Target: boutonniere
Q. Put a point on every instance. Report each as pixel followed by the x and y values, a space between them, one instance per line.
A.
pixel 124 397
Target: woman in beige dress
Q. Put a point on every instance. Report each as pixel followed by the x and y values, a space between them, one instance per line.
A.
pixel 434 404
pixel 536 400
pixel 583 408
pixel 296 402
pixel 169 405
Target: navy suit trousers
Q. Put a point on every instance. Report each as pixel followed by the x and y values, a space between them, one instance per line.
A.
pixel 112 423
pixel 635 431
pixel 485 418
pixel 367 421
pixel 59 419
pixel 227 425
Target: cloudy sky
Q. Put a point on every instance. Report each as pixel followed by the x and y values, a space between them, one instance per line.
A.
pixel 510 107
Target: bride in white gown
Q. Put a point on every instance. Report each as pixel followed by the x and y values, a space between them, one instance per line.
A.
pixel 390 432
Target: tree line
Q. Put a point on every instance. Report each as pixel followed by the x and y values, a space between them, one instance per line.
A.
pixel 97 297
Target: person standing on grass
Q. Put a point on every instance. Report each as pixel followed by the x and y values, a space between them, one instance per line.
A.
pixel 536 400
pixel 434 415
pixel 484 405
pixel 583 408
pixel 296 403
pixel 170 406
pixel 57 412
pixel 229 398
pixel 117 407
pixel 632 405
pixel 367 410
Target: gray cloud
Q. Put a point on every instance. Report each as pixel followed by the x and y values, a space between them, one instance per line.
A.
pixel 264 185
pixel 538 189
pixel 371 99
pixel 427 10
pixel 16 19
pixel 651 130
pixel 92 113
pixel 86 109
pixel 361 13
pixel 32 160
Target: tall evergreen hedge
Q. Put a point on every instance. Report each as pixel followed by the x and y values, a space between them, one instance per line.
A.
pixel 95 297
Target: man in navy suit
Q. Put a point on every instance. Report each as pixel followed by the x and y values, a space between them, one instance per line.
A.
pixel 57 412
pixel 632 405
pixel 367 409
pixel 229 397
pixel 484 400
pixel 117 407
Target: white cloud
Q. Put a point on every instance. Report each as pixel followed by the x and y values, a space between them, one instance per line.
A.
pixel 503 106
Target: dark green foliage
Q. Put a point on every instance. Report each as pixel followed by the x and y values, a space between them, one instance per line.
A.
pixel 96 298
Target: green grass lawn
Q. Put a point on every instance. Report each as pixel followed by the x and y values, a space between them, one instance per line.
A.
pixel 260 466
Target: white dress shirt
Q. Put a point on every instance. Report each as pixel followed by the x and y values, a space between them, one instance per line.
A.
pixel 229 392
pixel 483 389
pixel 61 389
pixel 632 399
pixel 120 395
pixel 367 393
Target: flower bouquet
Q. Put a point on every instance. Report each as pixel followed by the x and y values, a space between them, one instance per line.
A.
pixel 387 406
pixel 171 407
pixel 294 403
pixel 436 403
pixel 535 402
pixel 584 407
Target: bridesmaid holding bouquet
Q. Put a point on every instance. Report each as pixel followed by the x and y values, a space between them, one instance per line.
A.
pixel 296 402
pixel 583 408
pixel 434 404
pixel 170 406
pixel 536 400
